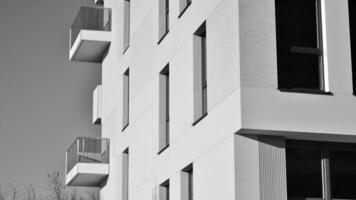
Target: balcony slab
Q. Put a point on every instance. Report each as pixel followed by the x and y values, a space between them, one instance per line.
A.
pixel 87 174
pixel 90 46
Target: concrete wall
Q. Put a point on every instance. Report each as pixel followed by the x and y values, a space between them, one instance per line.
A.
pixel 270 111
pixel 209 145
pixel 242 97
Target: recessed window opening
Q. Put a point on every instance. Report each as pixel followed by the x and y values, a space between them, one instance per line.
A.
pixel 299 45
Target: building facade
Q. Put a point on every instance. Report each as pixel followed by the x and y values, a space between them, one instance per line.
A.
pixel 219 99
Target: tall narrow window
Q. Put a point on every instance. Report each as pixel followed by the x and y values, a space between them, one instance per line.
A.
pixel 163 25
pixel 304 174
pixel 352 16
pixel 299 45
pixel 164 109
pixel 163 190
pixel 343 173
pixel 200 74
pixel 126 99
pixel 183 5
pixel 187 183
pixel 125 175
pixel 126 24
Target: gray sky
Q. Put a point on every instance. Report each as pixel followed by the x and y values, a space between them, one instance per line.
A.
pixel 45 100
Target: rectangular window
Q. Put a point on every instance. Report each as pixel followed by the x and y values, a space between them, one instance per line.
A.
pixel 163 21
pixel 200 74
pixel 343 173
pixel 164 109
pixel 352 19
pixel 126 25
pixel 163 190
pixel 318 170
pixel 126 99
pixel 304 172
pixel 183 5
pixel 299 45
pixel 125 175
pixel 187 183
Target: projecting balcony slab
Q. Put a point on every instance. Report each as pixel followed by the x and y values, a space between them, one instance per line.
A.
pixel 90 46
pixel 87 162
pixel 87 174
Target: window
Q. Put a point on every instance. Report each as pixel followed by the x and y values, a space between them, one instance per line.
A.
pixel 321 170
pixel 126 99
pixel 164 109
pixel 125 175
pixel 126 24
pixel 200 74
pixel 187 183
pixel 163 19
pixel 183 5
pixel 299 45
pixel 163 190
pixel 352 16
pixel 303 166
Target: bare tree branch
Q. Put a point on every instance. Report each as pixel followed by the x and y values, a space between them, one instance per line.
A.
pixel 3 193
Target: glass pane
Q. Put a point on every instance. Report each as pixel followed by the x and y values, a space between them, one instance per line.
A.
pixel 303 173
pixel 343 174
pixel 298 71
pixel 352 13
pixel 296 23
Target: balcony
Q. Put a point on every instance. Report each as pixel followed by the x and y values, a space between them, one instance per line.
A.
pixel 87 162
pixel 97 105
pixel 90 34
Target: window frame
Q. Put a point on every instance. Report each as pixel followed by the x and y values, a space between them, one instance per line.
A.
pixel 187 183
pixel 127 25
pixel 318 50
pixel 183 6
pixel 200 97
pixel 163 15
pixel 125 164
pixel 165 189
pixel 326 148
pixel 126 100
pixel 352 41
pixel 164 112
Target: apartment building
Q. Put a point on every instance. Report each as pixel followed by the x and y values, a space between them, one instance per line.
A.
pixel 219 99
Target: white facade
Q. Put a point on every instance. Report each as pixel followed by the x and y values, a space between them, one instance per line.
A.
pixel 238 149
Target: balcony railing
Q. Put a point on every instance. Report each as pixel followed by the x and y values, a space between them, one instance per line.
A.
pixel 87 150
pixel 90 18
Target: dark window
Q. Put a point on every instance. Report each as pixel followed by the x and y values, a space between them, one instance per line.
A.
pixel 343 174
pixel 303 166
pixel 321 170
pixel 299 45
pixel 352 16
